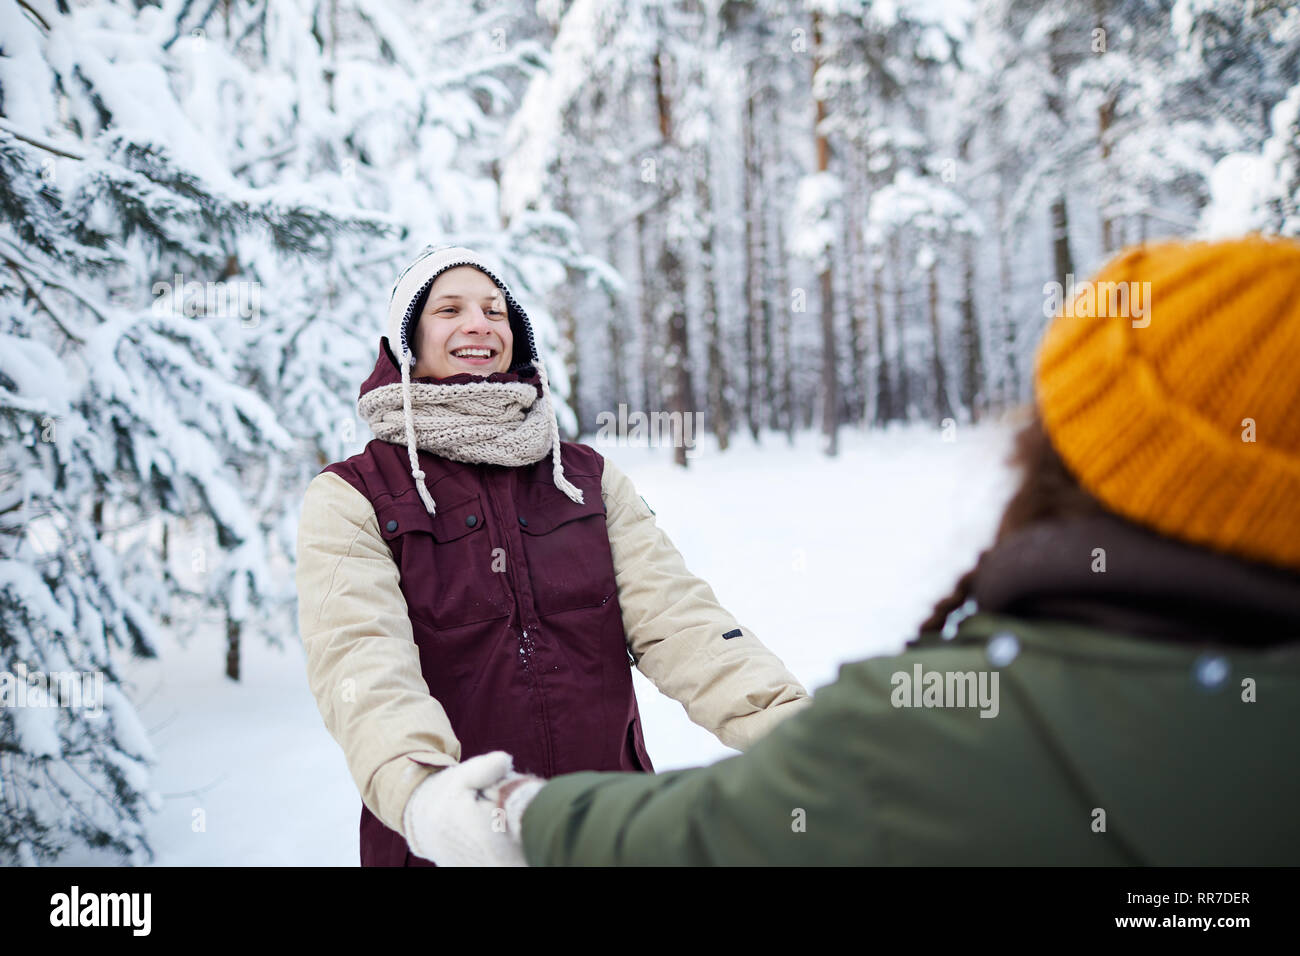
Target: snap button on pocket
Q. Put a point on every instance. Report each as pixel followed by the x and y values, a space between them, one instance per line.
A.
pixel 404 516
pixel 523 521
pixel 437 556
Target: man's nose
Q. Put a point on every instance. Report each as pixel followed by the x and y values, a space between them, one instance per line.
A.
pixel 476 320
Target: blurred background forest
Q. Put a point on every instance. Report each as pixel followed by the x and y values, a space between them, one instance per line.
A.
pixel 786 217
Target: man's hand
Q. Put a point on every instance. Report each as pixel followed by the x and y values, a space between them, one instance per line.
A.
pixel 456 817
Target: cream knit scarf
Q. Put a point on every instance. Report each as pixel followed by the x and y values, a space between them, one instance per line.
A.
pixel 495 423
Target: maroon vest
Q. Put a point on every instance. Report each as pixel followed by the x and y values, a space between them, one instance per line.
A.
pixel 512 599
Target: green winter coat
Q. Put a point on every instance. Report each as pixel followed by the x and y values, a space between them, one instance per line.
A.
pixel 1105 749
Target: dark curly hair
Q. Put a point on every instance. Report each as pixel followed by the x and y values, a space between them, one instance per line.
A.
pixel 1047 491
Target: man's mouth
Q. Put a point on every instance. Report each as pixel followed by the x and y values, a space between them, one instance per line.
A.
pixel 475 355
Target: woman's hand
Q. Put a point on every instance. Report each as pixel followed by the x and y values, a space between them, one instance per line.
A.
pixel 513 797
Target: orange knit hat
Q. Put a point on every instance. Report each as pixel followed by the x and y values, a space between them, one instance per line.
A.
pixel 1170 386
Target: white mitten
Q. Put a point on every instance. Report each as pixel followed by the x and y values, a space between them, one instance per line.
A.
pixel 450 817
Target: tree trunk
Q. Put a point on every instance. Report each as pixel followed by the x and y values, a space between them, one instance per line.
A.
pixel 570 358
pixel 752 259
pixel 165 559
pixel 1062 262
pixel 617 347
pixel 942 404
pixel 830 372
pixel 972 390
pixel 772 252
pixel 903 391
pixel 232 647
pixel 787 400
pixel 681 397
pixel 886 409
pixel 857 388
pixel 650 350
pixel 719 405
pixel 1058 213
pixel 1009 391
pixel 1105 116
pixel 564 313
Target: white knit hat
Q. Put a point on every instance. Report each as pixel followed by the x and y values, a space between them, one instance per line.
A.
pixel 411 284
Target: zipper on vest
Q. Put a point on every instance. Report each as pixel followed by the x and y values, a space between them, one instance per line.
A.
pixel 516 568
pixel 526 645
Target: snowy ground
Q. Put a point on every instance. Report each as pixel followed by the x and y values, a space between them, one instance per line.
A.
pixel 827 560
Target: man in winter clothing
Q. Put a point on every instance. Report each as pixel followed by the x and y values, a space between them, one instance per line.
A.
pixel 469 583
pixel 1117 681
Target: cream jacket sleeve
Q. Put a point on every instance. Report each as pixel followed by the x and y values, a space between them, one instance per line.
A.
pixel 734 687
pixel 362 662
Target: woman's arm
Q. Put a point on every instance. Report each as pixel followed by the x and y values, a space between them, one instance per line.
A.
pixel 677 631
pixel 362 662
pixel 800 796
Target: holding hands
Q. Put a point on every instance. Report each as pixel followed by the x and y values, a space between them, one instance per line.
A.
pixel 471 814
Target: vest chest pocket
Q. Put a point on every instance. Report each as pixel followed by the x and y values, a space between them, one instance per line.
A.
pixel 566 545
pixel 445 560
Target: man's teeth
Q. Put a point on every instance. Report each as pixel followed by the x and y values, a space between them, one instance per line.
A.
pixel 473 353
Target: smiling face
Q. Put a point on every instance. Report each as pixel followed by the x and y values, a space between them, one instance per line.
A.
pixel 465 310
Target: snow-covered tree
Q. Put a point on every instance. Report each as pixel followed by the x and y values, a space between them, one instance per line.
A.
pixel 202 208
